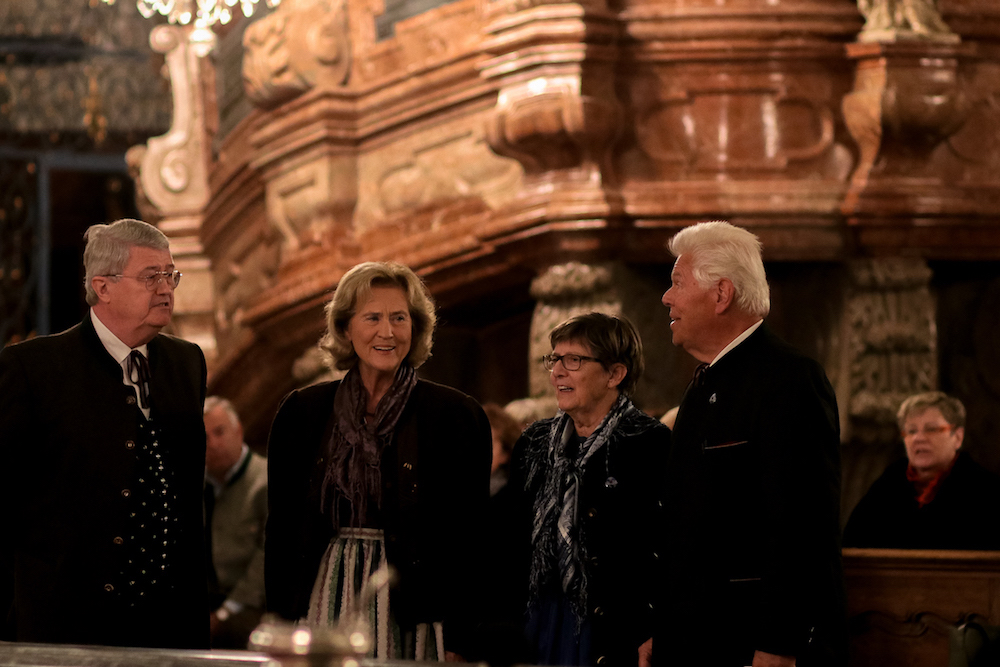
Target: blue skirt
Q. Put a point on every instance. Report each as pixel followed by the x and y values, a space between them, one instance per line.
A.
pixel 552 630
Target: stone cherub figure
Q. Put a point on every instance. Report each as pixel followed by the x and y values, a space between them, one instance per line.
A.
pixel 919 18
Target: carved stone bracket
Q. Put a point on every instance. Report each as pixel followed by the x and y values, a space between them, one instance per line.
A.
pixel 304 44
pixel 908 98
pixel 892 342
pixel 557 111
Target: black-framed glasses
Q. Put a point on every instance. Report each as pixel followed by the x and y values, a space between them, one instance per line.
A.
pixel 570 362
pixel 154 279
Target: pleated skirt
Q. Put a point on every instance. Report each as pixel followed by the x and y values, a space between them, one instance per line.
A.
pixel 352 557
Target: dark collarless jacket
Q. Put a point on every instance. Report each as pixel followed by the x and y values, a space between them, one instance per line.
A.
pixel 68 428
pixel 435 486
pixel 889 517
pixel 751 532
pixel 619 507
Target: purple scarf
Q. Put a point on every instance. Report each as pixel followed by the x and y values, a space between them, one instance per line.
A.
pixel 354 452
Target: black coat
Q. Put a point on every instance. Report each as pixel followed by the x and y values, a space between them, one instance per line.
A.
pixel 959 517
pixel 619 507
pixel 435 486
pixel 751 532
pixel 66 421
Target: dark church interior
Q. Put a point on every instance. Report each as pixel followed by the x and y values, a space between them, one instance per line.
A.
pixel 530 161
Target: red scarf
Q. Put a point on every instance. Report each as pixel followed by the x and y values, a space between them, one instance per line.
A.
pixel 926 489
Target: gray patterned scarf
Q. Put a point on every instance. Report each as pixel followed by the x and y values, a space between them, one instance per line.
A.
pixel 556 546
pixel 354 453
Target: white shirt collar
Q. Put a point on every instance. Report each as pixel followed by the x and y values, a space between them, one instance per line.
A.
pixel 115 347
pixel 736 341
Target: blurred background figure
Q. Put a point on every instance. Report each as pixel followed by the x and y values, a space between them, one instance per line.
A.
pixel 589 480
pixel 380 469
pixel 936 497
pixel 235 517
pixel 505 431
pixel 669 417
pixel 501 638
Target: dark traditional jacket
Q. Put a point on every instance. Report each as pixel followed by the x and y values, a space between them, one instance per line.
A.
pixel 618 511
pixel 68 434
pixel 751 531
pixel 958 518
pixel 435 486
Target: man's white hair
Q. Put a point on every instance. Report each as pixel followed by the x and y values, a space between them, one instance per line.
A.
pixel 719 250
pixel 213 402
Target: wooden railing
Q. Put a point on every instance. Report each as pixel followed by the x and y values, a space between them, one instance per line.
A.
pixel 903 604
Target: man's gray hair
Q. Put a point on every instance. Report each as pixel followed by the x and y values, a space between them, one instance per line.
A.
pixel 213 402
pixel 719 250
pixel 108 248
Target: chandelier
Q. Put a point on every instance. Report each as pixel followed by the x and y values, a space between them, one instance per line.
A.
pixel 204 13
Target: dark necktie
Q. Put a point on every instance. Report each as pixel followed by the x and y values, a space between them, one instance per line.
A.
pixel 699 375
pixel 138 372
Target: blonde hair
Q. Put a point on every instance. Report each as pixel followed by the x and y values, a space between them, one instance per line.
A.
pixel 950 408
pixel 719 250
pixel 354 289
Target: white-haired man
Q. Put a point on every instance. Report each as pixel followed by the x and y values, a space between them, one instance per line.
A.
pixel 102 459
pixel 751 556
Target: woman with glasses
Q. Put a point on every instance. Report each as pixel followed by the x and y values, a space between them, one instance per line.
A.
pixel 935 498
pixel 379 469
pixel 589 480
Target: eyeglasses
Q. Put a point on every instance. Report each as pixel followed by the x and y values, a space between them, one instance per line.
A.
pixel 153 280
pixel 927 430
pixel 570 362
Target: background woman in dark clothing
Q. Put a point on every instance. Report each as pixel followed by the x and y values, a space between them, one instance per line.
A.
pixel 589 479
pixel 935 498
pixel 380 467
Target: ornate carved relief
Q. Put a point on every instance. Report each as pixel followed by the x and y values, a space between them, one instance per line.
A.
pixel 696 126
pixel 304 44
pixel 437 167
pixel 312 199
pixel 891 20
pixel 892 342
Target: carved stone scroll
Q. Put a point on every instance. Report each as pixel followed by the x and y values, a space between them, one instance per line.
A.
pixel 174 172
pixel 172 182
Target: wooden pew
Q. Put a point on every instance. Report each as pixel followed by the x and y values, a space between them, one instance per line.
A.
pixel 902 603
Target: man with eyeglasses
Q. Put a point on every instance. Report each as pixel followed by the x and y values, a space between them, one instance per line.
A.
pixel 751 571
pixel 102 459
pixel 936 497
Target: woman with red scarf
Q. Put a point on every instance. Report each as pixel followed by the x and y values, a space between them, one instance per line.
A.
pixel 936 498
